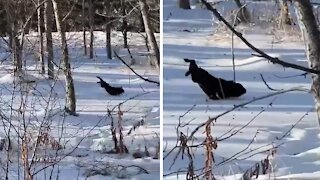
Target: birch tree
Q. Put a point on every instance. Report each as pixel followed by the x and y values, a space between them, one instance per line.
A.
pixel 310 32
pixel 149 31
pixel 48 28
pixel 84 27
pixel 108 29
pixel 91 24
pixel 70 106
pixel 40 32
pixel 124 25
pixel 284 14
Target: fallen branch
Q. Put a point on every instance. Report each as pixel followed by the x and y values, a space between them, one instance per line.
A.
pixel 145 79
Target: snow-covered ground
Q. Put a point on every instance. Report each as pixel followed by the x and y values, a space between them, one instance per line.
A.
pixel 90 130
pixel 189 34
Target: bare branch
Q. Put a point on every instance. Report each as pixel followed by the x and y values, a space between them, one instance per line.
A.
pixel 265 82
pixel 148 80
pixel 274 60
pixel 242 105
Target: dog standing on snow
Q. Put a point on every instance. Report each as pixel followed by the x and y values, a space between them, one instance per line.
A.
pixel 114 91
pixel 215 88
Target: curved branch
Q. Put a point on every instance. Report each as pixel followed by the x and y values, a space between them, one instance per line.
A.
pixel 265 82
pixel 274 60
pixel 148 80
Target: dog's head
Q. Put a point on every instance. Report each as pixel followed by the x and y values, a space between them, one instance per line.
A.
pixel 192 67
pixel 240 88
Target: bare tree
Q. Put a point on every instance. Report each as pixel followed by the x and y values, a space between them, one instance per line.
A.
pixel 12 8
pixel 91 24
pixel 184 4
pixel 84 27
pixel 284 14
pixel 311 34
pixel 124 26
pixel 148 28
pixel 48 26
pixel 70 94
pixel 243 15
pixel 40 32
pixel 108 38
pixel 108 29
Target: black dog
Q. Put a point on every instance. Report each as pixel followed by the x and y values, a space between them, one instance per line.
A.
pixel 114 91
pixel 215 88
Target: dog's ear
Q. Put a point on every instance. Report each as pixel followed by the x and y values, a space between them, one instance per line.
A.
pixel 189 61
pixel 186 60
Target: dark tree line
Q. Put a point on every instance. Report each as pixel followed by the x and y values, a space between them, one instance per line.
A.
pixel 72 12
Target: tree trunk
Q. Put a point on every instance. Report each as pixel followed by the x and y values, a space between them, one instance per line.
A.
pixel 16 47
pixel 40 28
pixel 17 50
pixel 149 31
pixel 70 106
pixel 311 34
pixel 108 26
pixel 108 38
pixel 91 24
pixel 9 25
pixel 48 26
pixel 184 4
pixel 284 14
pixel 141 29
pixel 243 15
pixel 124 26
pixel 84 28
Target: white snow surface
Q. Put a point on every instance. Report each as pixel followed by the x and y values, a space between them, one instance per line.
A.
pixel 190 34
pixel 90 130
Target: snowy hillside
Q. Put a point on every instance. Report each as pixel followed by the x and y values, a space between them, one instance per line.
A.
pixel 282 129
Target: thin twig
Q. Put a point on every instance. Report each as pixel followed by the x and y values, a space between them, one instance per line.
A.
pixel 242 105
pixel 232 42
pixel 292 76
pixel 222 138
pixel 265 82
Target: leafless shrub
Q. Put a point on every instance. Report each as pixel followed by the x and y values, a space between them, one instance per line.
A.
pixel 210 144
pixel 122 146
pixel 186 145
pixel 135 126
pixel 263 167
pixel 114 170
